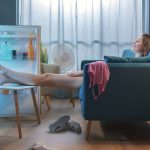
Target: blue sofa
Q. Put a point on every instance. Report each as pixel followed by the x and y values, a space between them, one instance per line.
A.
pixel 126 97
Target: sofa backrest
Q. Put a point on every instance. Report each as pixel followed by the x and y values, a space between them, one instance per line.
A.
pixel 126 97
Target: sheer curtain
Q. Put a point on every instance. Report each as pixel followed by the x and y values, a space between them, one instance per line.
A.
pixel 92 28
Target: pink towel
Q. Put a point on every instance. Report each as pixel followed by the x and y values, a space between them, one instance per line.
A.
pixel 99 75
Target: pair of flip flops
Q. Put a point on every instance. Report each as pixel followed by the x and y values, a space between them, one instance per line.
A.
pixel 64 124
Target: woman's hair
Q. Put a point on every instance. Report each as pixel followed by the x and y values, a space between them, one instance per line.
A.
pixel 146 42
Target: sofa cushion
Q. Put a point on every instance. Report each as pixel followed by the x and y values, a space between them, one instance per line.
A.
pixel 114 59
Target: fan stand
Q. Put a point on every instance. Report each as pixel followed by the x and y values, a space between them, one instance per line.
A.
pixel 60 54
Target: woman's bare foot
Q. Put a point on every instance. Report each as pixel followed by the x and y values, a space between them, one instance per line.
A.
pixel 18 77
pixel 2 70
pixel 4 79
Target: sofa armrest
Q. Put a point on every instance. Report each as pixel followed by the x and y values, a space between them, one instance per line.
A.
pixel 84 62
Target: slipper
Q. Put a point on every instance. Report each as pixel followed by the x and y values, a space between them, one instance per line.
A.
pixel 74 126
pixel 59 125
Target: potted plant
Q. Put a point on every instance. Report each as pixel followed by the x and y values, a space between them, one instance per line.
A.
pixel 44 55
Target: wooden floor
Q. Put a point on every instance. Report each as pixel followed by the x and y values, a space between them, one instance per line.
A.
pixel 104 136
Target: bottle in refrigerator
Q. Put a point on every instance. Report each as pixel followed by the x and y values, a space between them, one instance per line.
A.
pixel 5 51
pixel 30 50
pixel 1 51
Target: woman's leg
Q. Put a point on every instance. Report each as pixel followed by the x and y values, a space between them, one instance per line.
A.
pixel 47 80
pixel 61 81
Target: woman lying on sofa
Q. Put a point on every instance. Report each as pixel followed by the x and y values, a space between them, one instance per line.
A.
pixel 141 47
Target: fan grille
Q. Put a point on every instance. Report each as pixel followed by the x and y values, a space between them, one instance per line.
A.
pixel 63 56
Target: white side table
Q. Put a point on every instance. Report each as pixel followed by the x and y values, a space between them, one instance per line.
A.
pixel 15 89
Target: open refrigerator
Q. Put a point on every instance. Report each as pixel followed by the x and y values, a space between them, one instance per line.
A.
pixel 20 51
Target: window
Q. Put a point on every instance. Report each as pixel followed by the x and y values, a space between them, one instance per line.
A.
pixel 92 28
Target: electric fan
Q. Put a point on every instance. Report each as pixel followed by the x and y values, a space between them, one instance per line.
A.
pixel 63 56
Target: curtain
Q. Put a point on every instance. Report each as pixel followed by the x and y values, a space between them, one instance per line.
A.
pixel 91 28
pixel 146 16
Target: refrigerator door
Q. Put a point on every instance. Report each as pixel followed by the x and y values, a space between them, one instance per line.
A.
pixel 20 51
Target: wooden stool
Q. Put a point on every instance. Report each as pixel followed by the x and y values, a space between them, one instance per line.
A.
pixel 16 88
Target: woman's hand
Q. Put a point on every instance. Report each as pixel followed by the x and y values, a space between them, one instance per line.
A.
pixel 76 74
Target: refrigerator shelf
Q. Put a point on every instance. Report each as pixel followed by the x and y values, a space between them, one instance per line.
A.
pixel 17 60
pixel 17 36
